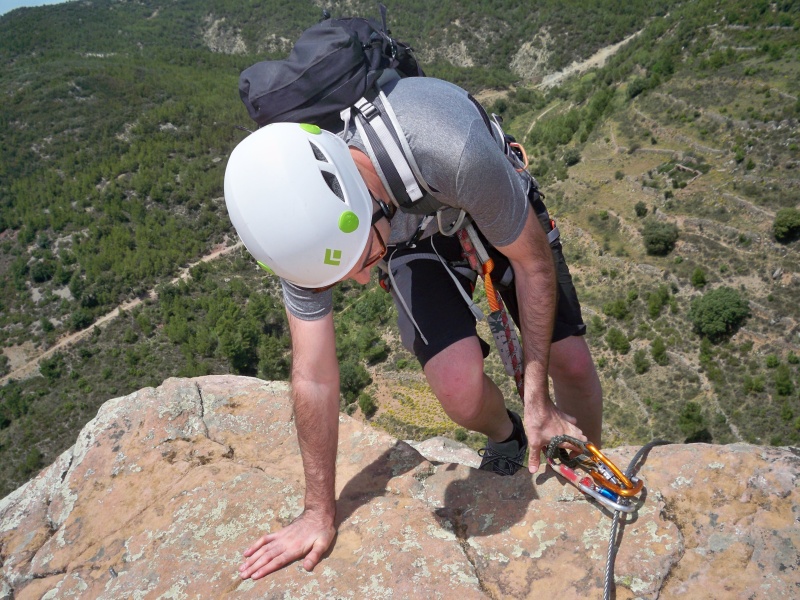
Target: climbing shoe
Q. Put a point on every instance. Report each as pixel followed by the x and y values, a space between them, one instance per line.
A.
pixel 506 458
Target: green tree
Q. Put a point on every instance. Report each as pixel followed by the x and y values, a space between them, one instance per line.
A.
pixel 618 341
pixel 690 419
pixel 52 368
pixel 617 309
pixel 81 319
pixel 784 385
pixel 657 300
pixel 640 209
pixel 699 278
pixel 367 404
pixel 34 460
pixel 273 362
pixel 659 237
pixel 42 271
pixel 352 379
pixel 718 313
pixel 572 156
pixel 640 363
pixel 786 227
pixel 658 350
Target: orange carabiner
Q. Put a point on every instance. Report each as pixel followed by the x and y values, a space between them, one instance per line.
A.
pixel 630 488
pixel 620 491
pixel 521 149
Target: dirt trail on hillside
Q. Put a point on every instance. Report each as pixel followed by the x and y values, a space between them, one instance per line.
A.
pixel 31 367
pixel 597 59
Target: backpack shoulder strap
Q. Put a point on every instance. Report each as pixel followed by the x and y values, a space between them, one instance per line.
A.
pixel 382 145
pixel 407 153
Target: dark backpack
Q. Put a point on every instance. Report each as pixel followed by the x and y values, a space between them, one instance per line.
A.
pixel 332 65
pixel 331 77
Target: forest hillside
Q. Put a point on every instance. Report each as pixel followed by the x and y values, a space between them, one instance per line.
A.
pixel 670 162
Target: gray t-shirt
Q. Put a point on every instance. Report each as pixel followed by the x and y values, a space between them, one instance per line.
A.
pixel 457 156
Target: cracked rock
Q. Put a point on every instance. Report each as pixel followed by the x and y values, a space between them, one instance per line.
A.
pixel 165 488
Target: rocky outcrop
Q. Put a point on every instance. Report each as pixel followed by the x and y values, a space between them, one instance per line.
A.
pixel 165 488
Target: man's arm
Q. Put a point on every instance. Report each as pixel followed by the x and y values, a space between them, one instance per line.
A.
pixel 534 273
pixel 315 392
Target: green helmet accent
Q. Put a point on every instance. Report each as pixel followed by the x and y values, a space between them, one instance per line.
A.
pixel 265 267
pixel 309 128
pixel 333 257
pixel 348 222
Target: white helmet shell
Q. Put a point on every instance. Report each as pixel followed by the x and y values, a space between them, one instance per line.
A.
pixel 298 202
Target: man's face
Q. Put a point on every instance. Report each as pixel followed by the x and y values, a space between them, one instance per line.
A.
pixel 373 253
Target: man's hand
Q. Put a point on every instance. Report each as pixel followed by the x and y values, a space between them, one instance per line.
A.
pixel 542 425
pixel 309 536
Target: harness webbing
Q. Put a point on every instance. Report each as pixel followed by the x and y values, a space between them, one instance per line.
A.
pixel 499 320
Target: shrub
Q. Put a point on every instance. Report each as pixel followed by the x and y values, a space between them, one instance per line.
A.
pixel 699 278
pixel 640 209
pixel 786 227
pixel 783 381
pixel 367 405
pixel 617 309
pixel 691 419
pixel 81 319
pixel 640 363
pixel 572 157
pixel 352 379
pixel 659 237
pixel 657 300
pixel 596 326
pixel 658 350
pixel 754 384
pixel 618 341
pixel 718 313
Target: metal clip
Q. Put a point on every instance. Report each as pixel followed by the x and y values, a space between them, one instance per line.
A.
pixel 604 482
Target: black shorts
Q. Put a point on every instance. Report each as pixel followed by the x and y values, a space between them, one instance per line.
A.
pixel 441 312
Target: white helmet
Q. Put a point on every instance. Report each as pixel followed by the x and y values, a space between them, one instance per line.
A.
pixel 298 203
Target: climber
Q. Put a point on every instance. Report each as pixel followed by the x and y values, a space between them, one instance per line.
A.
pixel 313 209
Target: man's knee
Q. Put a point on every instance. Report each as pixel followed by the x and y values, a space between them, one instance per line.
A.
pixel 456 378
pixel 571 360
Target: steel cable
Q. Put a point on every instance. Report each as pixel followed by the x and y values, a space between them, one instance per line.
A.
pixel 609 575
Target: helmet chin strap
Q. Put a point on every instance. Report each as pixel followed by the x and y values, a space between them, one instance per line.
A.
pixel 385 210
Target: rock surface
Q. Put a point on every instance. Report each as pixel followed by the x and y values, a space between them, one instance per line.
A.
pixel 165 488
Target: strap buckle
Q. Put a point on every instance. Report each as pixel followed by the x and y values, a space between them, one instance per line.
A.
pixel 367 109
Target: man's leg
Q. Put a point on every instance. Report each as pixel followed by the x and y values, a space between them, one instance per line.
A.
pixel 577 386
pixel 466 393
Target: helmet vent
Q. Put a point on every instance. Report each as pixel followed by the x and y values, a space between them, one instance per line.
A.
pixel 318 153
pixel 334 184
